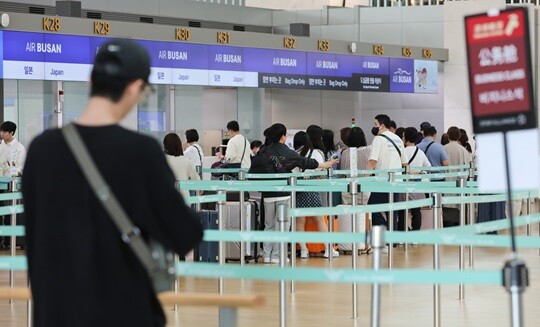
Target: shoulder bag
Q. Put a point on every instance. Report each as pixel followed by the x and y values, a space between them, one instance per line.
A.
pixel 227 164
pixel 158 261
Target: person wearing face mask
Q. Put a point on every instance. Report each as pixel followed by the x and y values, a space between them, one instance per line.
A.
pixel 387 152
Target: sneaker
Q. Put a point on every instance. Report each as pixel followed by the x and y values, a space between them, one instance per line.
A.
pixel 335 254
pixel 276 260
pixel 266 260
pixel 385 250
pixel 304 254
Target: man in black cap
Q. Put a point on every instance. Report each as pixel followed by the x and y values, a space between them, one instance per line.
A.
pixel 82 272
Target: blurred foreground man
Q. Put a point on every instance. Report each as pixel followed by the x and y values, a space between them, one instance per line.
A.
pixel 82 272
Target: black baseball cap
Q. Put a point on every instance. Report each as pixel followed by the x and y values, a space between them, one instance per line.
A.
pixel 424 125
pixel 122 58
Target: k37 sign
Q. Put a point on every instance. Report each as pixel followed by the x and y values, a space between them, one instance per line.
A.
pixel 498 52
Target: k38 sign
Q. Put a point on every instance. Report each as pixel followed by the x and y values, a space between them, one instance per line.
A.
pixel 500 80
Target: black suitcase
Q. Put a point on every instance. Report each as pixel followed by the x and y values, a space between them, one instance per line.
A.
pixel 207 251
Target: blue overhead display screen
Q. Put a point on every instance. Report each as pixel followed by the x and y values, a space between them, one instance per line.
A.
pixel 59 57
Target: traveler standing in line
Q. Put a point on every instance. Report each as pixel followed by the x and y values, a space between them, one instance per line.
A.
pixel 194 151
pixel 387 152
pixel 255 146
pixel 273 158
pixel 83 271
pixel 417 158
pixel 420 136
pixel 329 145
pixel 181 166
pixel 342 143
pixel 356 139
pixel 392 127
pixel 434 151
pixel 305 148
pixel 12 153
pixel 457 154
pixel 238 147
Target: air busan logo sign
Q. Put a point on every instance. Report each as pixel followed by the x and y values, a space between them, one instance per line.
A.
pixel 500 80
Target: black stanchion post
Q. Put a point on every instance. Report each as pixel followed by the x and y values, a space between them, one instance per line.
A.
pixel 377 244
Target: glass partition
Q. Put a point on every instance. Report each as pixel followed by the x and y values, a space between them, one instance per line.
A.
pixel 76 96
pixel 30 104
pixel 152 114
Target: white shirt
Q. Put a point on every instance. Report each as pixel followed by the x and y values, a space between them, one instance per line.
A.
pixel 420 160
pixel 183 170
pixel 237 147
pixel 385 153
pixel 194 153
pixel 12 157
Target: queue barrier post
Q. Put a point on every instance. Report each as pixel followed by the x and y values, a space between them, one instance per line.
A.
pixel 377 244
pixel 528 211
pixel 330 246
pixel 353 189
pixel 293 182
pixel 437 201
pixel 462 212
pixel 221 253
pixel 406 211
pixel 282 219
pixel 199 171
pixel 516 280
pixel 472 212
pixel 242 177
pixel 391 178
pixel 12 187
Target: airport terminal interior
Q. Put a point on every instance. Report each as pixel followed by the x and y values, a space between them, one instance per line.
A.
pixel 331 63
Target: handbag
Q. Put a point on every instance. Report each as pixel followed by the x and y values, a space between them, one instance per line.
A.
pixel 158 261
pixel 229 165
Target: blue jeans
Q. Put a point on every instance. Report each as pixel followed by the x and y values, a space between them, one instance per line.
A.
pixel 377 217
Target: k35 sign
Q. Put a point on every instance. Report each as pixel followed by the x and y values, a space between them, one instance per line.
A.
pixel 501 88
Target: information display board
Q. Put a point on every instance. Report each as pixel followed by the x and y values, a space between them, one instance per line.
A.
pixel 47 56
pixel 501 88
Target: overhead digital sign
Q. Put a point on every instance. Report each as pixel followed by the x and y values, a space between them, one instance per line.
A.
pixel 46 56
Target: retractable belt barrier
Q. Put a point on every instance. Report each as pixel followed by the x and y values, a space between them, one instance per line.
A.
pixel 452 236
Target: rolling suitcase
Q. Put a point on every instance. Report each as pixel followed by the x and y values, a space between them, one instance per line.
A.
pixel 207 251
pixel 311 226
pixel 363 225
pixel 232 222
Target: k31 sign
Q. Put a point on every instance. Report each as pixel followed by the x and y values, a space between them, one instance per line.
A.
pixel 501 88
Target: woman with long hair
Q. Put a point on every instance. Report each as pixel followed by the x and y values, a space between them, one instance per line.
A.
pixel 180 165
pixel 309 144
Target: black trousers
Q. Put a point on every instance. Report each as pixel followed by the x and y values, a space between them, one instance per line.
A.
pixel 416 219
pixel 377 218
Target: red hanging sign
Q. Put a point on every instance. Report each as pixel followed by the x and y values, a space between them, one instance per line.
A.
pixel 500 74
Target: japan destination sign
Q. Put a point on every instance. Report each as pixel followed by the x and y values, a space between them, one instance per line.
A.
pixel 500 78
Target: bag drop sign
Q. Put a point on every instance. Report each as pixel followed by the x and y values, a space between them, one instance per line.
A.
pixel 500 80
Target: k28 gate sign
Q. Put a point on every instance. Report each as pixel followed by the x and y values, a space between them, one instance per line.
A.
pixel 500 80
